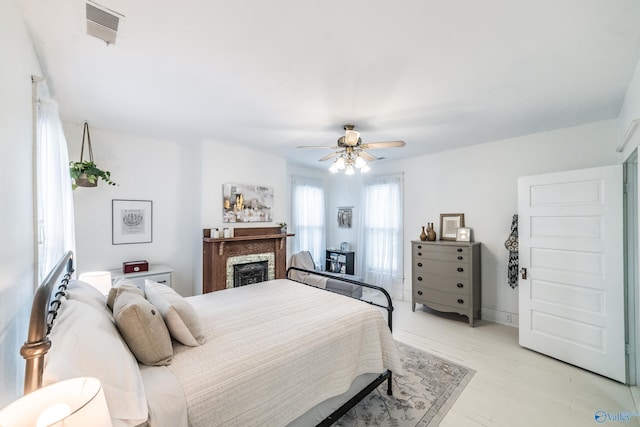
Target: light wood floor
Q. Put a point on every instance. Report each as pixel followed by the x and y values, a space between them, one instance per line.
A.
pixel 512 386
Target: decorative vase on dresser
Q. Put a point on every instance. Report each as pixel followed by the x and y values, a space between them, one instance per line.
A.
pixel 446 277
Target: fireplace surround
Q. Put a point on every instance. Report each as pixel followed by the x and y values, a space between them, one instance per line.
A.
pixel 247 245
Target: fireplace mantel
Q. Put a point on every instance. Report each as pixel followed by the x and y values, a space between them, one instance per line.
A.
pixel 246 241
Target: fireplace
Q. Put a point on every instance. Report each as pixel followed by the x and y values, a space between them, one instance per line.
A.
pixel 250 273
pixel 251 262
pixel 249 245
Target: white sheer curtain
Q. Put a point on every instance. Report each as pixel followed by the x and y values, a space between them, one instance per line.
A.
pixel 381 257
pixel 54 203
pixel 307 217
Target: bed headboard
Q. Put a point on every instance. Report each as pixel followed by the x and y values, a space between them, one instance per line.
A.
pixel 44 310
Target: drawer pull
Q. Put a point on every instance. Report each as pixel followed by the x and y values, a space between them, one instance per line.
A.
pixel 459 249
pixel 460 301
pixel 460 285
pixel 419 253
pixel 161 281
pixel 419 246
pixel 419 292
pixel 419 278
pixel 419 264
pixel 460 258
pixel 460 269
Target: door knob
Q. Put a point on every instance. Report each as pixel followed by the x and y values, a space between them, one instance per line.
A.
pixel 523 272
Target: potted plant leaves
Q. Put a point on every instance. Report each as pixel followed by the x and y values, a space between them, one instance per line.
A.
pixel 86 173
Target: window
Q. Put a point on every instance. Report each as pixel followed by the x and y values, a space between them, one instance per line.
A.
pixel 307 217
pixel 381 256
pixel 54 206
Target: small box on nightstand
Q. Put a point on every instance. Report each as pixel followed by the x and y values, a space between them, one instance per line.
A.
pixel 135 266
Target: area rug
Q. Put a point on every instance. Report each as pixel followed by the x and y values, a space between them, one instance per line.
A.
pixel 421 396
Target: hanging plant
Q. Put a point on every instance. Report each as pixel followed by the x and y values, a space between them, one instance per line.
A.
pixel 85 173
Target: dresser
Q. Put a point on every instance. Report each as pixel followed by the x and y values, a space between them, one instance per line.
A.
pixel 158 273
pixel 446 277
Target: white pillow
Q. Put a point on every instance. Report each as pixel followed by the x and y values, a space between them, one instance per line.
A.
pixel 86 293
pixel 180 316
pixel 85 342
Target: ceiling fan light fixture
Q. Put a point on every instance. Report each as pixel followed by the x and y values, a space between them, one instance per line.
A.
pixel 365 169
pixel 334 167
pixel 360 162
pixel 351 137
pixel 349 170
pixel 340 163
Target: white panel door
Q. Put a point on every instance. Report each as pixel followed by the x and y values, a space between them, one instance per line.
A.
pixel 570 228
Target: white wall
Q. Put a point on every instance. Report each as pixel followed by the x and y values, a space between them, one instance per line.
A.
pixel 17 278
pixel 628 120
pixel 344 191
pixel 144 169
pixel 481 182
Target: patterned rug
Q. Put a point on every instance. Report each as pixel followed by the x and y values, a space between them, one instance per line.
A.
pixel 421 397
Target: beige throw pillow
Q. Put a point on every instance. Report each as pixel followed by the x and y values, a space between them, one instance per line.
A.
pixel 122 285
pixel 180 316
pixel 142 327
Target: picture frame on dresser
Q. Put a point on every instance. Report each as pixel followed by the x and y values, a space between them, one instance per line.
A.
pixel 463 234
pixel 449 224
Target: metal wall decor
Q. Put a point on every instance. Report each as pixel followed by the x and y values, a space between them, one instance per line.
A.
pixel 345 217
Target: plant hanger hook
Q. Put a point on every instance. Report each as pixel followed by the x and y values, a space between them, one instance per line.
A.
pixel 86 136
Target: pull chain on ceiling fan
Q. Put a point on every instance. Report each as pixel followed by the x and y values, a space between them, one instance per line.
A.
pixel 351 153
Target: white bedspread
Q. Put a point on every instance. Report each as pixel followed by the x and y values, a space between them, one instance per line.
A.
pixel 276 349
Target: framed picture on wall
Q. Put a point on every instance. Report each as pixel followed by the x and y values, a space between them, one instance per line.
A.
pixel 449 224
pixel 246 203
pixel 132 221
pixel 345 216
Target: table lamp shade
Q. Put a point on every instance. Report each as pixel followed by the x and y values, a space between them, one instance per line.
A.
pixel 100 280
pixel 78 402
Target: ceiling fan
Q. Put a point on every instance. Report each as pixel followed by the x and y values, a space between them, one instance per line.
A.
pixel 351 152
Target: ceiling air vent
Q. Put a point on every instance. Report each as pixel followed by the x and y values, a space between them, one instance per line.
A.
pixel 102 23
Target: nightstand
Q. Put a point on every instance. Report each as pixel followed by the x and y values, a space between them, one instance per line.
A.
pixel 158 272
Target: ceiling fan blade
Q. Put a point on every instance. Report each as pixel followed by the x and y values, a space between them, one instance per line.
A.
pixel 333 147
pixel 328 156
pixel 385 144
pixel 368 157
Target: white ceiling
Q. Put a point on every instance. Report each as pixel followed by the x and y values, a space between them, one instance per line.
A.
pixel 282 73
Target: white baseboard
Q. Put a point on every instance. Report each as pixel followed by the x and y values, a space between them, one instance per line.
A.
pixel 499 316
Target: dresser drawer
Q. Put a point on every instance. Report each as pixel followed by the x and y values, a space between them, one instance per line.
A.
pixel 449 253
pixel 456 269
pixel 165 279
pixel 439 297
pixel 443 283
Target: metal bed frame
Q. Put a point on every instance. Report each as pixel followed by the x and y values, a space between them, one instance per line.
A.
pixel 44 310
pixel 386 375
pixel 48 298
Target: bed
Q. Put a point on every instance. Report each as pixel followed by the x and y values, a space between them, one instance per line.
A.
pixel 273 353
